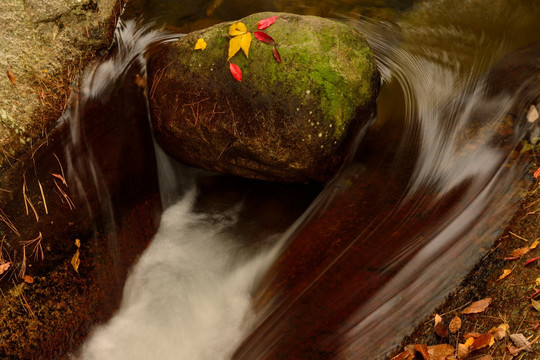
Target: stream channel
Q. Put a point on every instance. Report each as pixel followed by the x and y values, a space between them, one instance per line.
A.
pixel 245 269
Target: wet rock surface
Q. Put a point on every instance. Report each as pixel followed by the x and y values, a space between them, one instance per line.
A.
pixel 44 47
pixel 289 121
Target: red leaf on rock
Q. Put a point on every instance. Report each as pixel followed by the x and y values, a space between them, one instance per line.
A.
pixel 263 24
pixel 264 37
pixel 235 71
pixel 537 173
pixel 276 54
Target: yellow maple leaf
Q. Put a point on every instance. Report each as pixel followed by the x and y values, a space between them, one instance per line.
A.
pixel 200 45
pixel 239 42
pixel 237 29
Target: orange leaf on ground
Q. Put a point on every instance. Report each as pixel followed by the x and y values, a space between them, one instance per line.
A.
pixel 477 306
pixel 537 173
pixel 423 350
pixel 485 357
pixel 405 355
pixel 441 351
pixel 483 341
pixel 463 351
pixel 455 324
pixel 499 332
pixel 4 267
pixel 28 279
pixel 521 251
pixel 263 24
pixel 505 273
pixel 235 71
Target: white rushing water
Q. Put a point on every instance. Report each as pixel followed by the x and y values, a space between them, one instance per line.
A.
pixel 188 297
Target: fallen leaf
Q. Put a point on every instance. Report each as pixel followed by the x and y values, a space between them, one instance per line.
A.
pixel 276 54
pixel 423 350
pixel 405 355
pixel 485 357
pixel 499 332
pixel 521 251
pixel 538 281
pixel 469 342
pixel 78 243
pixel 463 351
pixel 76 261
pixel 512 350
pixel 245 43
pixel 535 244
pixel 440 351
pixel 237 29
pixel 28 279
pixel 521 342
pixel 264 37
pixel 482 341
pixel 235 71
pixel 4 267
pixel 537 173
pixel 477 306
pixel 437 319
pixel 239 42
pixel 532 114
pixel 264 23
pixel 455 324
pixel 535 304
pixel 200 44
pixel 140 81
pixel 441 330
pixel 11 77
pixel 505 273
pixel 531 260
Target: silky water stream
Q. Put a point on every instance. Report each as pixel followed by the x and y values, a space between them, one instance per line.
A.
pixel 250 270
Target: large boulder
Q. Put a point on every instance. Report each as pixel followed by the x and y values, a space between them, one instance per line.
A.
pixel 291 121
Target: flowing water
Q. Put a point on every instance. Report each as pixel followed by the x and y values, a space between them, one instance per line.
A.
pixel 251 270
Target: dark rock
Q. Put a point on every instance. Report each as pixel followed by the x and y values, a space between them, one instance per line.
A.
pixel 291 121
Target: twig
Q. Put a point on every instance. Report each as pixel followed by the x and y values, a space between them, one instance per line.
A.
pixel 27 200
pixel 70 203
pixel 4 218
pixel 519 237
pixel 43 197
pixel 61 170
pixel 38 248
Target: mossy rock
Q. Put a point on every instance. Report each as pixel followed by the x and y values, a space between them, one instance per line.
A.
pixel 291 121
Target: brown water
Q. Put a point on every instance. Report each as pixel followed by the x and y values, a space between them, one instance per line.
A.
pixel 249 270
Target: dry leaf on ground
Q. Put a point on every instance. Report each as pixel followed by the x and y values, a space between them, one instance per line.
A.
pixel 405 355
pixel 455 324
pixel 463 351
pixel 499 332
pixel 4 267
pixel 521 342
pixel 482 341
pixel 535 304
pixel 28 279
pixel 441 351
pixel 521 251
pixel 423 350
pixel 505 273
pixel 485 357
pixel 477 306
